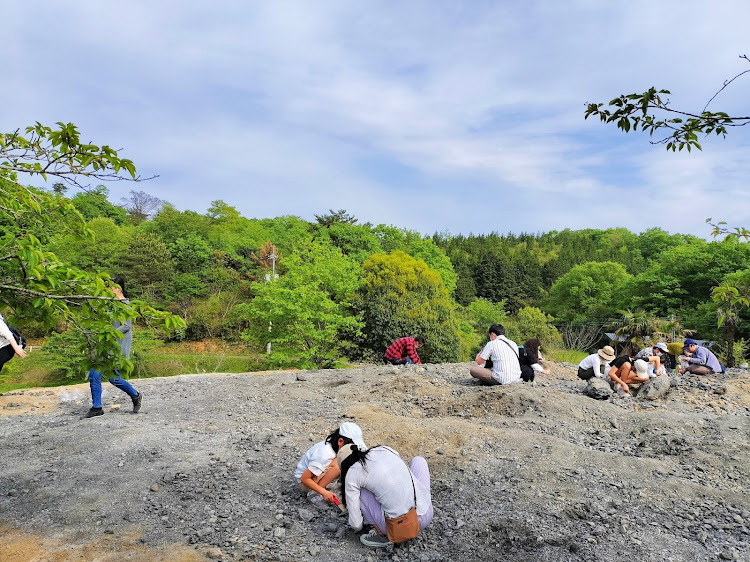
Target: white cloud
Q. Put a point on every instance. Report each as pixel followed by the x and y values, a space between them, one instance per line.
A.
pixel 275 106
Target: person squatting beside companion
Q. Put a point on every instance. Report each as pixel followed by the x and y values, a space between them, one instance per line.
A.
pixel 530 357
pixel 622 373
pixel 592 365
pixel 403 351
pixel 8 345
pixel 654 356
pixel 506 366
pixel 701 361
pixel 378 485
pixel 318 466
pixel 95 377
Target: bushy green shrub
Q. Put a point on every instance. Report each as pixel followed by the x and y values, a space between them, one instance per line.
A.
pixel 530 322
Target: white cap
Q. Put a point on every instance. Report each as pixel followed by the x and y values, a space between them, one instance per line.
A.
pixel 662 346
pixel 353 432
pixel 641 368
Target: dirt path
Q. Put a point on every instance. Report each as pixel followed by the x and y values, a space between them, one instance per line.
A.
pixel 520 472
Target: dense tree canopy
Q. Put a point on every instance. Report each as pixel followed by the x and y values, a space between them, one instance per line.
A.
pixel 344 290
pixel 35 284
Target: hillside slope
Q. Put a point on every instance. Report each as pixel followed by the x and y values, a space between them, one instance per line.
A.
pixel 529 473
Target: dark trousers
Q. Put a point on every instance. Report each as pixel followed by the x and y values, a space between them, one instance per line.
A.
pixel 672 362
pixel 398 361
pixel 6 354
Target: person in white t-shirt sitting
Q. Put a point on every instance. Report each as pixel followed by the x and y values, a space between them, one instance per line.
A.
pixel 318 466
pixel 506 367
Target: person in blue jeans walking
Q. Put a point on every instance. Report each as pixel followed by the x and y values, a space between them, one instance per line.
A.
pixel 95 377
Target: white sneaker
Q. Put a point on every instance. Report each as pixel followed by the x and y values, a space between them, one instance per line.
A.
pixel 374 540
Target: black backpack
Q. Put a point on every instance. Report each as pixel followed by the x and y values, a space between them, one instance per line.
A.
pixel 18 336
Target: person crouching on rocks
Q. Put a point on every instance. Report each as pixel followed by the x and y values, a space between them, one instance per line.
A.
pixel 622 372
pixel 318 466
pixel 591 366
pixel 654 356
pixel 700 360
pixel 377 486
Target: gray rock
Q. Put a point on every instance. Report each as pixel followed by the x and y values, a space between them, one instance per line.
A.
pixel 598 389
pixel 655 388
pixel 306 514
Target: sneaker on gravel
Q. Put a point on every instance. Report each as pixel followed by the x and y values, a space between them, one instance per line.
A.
pixel 137 402
pixel 374 540
pixel 93 412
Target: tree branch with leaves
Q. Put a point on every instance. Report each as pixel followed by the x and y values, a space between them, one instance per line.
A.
pixel 34 283
pixel 651 112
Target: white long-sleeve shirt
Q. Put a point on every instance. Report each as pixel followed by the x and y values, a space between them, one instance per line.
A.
pixel 5 334
pixel 386 475
pixel 594 361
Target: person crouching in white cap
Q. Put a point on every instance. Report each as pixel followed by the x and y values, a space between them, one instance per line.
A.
pixel 653 356
pixel 318 466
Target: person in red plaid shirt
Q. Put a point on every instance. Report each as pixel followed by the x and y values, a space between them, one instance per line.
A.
pixel 403 351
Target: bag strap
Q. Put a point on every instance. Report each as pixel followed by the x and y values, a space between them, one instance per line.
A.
pixel 414 490
pixel 511 348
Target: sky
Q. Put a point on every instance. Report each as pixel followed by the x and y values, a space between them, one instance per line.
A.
pixel 433 116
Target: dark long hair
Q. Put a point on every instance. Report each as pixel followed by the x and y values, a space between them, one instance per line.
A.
pixel 531 349
pixel 356 456
pixel 333 440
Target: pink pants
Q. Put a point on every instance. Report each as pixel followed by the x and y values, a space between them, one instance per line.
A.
pixel 373 513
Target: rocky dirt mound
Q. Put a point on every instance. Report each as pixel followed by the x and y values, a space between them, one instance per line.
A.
pixel 531 473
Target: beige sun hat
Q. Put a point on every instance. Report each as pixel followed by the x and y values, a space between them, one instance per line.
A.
pixel 607 353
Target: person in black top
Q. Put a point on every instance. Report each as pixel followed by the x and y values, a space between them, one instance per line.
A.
pixel 621 372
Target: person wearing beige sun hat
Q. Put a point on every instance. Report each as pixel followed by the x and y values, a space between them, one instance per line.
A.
pixel 596 364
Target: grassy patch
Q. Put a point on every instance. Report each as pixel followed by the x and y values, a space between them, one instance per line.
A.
pixel 39 368
pixel 565 355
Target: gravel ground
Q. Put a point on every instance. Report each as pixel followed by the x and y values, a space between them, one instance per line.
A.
pixel 529 473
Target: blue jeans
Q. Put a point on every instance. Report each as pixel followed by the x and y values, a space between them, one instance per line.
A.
pixel 95 382
pixel 406 361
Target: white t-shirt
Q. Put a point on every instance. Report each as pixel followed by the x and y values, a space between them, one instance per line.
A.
pixel 504 354
pixel 594 361
pixel 385 475
pixel 317 458
pixel 5 334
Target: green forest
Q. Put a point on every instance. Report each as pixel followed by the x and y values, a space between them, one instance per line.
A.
pixel 286 292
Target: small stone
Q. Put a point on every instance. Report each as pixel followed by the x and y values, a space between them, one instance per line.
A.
pixel 279 532
pixel 214 553
pixel 154 487
pixel 441 451
pixel 314 550
pixel 306 514
pixel 114 407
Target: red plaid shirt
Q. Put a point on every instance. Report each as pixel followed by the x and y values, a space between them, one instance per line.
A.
pixel 403 348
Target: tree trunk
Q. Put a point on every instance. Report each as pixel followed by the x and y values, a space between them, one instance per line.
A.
pixel 731 330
